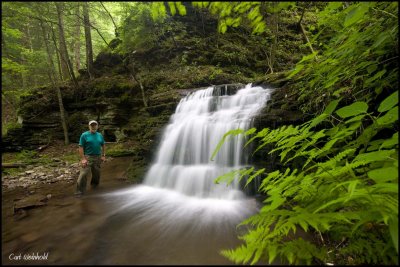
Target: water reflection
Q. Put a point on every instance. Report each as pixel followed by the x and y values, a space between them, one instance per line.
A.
pixel 160 226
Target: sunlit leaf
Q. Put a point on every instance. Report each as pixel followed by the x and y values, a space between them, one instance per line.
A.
pixel 384 174
pixel 353 109
pixel 394 231
pixel 356 14
pixel 389 102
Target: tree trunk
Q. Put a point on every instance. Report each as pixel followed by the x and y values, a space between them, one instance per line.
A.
pixel 275 44
pixel 133 76
pixel 63 46
pixel 61 39
pixel 202 23
pixel 23 75
pixel 88 39
pixel 29 39
pixel 53 36
pixel 306 38
pixel 273 24
pixel 304 32
pixel 54 82
pixel 77 49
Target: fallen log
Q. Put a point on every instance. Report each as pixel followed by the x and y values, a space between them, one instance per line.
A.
pixel 13 165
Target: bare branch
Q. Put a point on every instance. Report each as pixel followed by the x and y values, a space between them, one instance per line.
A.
pixel 91 25
pixel 115 25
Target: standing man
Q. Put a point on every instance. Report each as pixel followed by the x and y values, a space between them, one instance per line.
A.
pixel 92 153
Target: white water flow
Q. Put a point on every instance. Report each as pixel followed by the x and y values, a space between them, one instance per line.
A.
pixel 200 121
pixel 179 213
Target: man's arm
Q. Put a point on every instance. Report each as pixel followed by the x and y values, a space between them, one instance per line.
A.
pixel 103 153
pixel 82 156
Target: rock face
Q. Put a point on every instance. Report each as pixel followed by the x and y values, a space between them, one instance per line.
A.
pixel 282 109
pixel 122 115
pixel 113 107
pixel 116 103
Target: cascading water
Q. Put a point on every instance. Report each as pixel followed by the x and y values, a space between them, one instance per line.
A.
pixel 200 121
pixel 179 207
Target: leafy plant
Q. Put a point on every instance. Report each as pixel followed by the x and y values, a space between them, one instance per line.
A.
pixel 349 182
pixel 359 48
pixel 346 191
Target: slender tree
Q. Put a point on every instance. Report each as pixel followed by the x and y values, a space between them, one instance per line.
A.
pixel 63 45
pixel 61 39
pixel 77 48
pixel 53 37
pixel 88 39
pixel 304 32
pixel 54 81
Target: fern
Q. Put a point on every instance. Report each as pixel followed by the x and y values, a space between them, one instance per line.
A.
pixel 347 189
pixel 344 187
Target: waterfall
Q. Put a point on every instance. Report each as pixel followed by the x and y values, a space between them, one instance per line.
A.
pixel 179 215
pixel 201 119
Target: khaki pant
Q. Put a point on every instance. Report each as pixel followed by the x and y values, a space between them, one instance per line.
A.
pixel 93 166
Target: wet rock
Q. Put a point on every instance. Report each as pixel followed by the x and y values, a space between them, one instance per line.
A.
pixel 20 214
pixel 30 202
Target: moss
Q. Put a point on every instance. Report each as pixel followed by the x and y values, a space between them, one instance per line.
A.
pixel 136 171
pixel 10 127
pixel 37 101
pixel 111 86
pixel 120 153
pixel 119 150
pixel 77 124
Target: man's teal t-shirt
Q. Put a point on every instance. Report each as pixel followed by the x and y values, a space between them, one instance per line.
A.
pixel 91 143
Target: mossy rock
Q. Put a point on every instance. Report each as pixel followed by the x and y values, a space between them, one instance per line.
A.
pixel 77 124
pixel 37 101
pixel 120 153
pixel 136 171
pixel 113 86
pixel 107 59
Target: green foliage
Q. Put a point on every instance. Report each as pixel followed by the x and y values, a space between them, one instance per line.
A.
pixel 230 14
pixel 347 187
pixel 9 126
pixel 359 46
pixel 148 25
pixel 343 186
pixel 27 156
pixel 136 27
